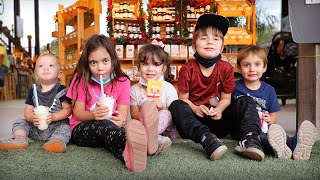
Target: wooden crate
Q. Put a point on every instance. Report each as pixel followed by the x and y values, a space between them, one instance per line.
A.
pixel 238 36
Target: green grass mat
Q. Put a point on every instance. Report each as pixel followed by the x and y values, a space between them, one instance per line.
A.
pixel 184 160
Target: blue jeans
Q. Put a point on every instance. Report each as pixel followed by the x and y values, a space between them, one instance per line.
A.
pixel 3 71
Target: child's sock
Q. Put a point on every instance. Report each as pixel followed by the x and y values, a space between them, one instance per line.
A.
pixel 54 145
pixel 292 142
pixel 18 142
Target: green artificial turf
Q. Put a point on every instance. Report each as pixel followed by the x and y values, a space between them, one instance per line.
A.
pixel 184 160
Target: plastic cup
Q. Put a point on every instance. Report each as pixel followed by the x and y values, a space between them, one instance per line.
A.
pixel 42 113
pixel 263 123
pixel 107 101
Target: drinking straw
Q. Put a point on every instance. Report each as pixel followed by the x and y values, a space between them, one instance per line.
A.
pixel 35 94
pixel 101 85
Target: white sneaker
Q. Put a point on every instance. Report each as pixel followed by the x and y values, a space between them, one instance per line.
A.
pixel 163 144
pixel 278 140
pixel 307 135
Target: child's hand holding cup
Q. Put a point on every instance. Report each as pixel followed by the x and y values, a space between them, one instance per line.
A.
pixel 107 101
pixel 41 113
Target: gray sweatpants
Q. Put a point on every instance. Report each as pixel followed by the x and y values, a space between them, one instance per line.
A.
pixel 56 130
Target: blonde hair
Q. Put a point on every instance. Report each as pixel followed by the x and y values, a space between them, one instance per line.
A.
pixel 49 54
pixel 43 55
pixel 252 49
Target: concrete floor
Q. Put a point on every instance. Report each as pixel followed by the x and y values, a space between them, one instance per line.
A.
pixel 11 110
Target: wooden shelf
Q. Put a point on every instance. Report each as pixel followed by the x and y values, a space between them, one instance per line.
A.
pixel 192 20
pixel 239 40
pixel 88 32
pixel 180 59
pixel 237 36
pixel 132 20
pixel 126 59
pixel 69 14
pixel 69 39
pixel 80 15
pixel 234 9
pixel 128 1
pixel 164 21
pixel 70 62
pixel 55 34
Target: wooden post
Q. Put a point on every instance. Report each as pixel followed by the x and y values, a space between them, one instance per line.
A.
pixel 308 85
pixel 80 30
pixel 29 45
pixel 36 28
pixel 16 5
pixel 97 9
pixel 61 33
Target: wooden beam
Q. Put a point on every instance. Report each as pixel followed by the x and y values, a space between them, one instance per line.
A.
pixel 308 85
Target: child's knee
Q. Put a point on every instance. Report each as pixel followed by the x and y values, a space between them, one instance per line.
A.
pixel 165 120
pixel 165 114
pixel 20 125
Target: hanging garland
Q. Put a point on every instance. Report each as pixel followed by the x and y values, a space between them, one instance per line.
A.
pixel 199 3
pixel 184 23
pixel 142 25
pixel 180 32
pixel 109 19
pixel 176 37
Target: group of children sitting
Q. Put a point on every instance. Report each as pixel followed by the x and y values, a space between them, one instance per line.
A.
pixel 209 104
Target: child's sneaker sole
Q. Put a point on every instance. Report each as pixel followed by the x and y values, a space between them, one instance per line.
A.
pixel 307 135
pixel 218 153
pixel 19 142
pixel 13 146
pixel 278 140
pixel 55 146
pixel 150 120
pixel 136 146
pixel 251 153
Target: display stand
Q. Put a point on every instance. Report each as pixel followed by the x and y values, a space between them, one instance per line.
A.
pixel 173 23
pixel 84 18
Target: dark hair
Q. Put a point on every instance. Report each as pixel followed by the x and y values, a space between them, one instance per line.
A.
pixel 252 49
pixel 82 70
pixel 148 51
